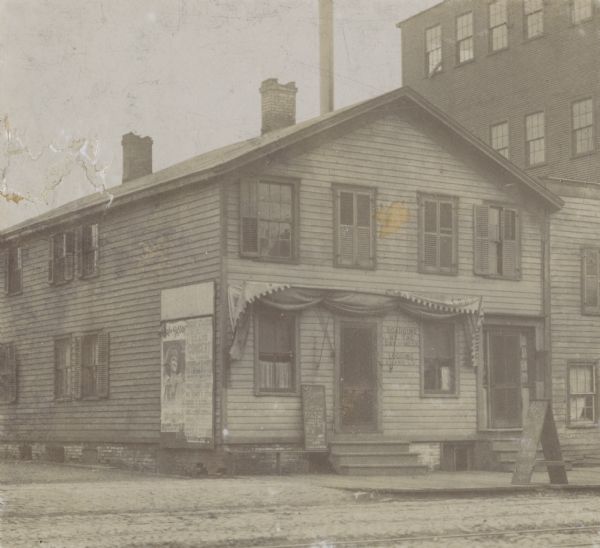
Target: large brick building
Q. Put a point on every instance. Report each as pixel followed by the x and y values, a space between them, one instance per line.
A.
pixel 524 77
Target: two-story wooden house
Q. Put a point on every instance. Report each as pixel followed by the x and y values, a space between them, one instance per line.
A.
pixel 379 252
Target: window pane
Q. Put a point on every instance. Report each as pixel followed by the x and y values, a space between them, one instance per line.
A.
pixel 580 10
pixel 346 208
pixel 275 352
pixel 499 138
pixel 438 357
pixel 464 26
pixel 433 49
pixel 497 13
pixel 582 395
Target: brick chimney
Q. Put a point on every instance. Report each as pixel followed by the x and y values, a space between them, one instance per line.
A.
pixel 137 156
pixel 278 104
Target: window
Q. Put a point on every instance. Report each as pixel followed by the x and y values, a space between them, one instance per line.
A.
pixel 590 277
pixel 275 338
pixel 433 50
pixel 535 141
pixel 582 393
pixel 534 18
pixel 581 10
pixel 86 249
pixel 268 220
pixel 81 365
pixel 464 38
pixel 498 29
pixel 497 241
pixel 439 363
pixel 438 234
pixel 582 113
pixel 354 227
pixel 13 271
pixel 63 369
pixel 499 138
pixel 8 373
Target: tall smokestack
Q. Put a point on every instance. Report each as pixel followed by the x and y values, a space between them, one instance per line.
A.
pixel 326 54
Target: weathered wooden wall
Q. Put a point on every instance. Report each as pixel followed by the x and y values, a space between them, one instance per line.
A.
pixel 162 242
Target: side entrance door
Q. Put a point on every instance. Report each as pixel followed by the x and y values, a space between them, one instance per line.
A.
pixel 504 374
pixel 358 378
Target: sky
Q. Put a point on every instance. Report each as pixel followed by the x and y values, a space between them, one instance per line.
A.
pixel 78 74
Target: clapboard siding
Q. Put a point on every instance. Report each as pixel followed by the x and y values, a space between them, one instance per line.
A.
pixel 392 155
pixel 167 241
pixel 575 336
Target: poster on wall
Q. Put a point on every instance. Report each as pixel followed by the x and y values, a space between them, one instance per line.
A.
pixel 187 377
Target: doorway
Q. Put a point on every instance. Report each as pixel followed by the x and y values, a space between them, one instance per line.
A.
pixel 504 374
pixel 358 394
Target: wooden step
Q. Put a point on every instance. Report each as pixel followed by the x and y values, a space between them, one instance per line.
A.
pixel 380 446
pixel 374 458
pixel 383 470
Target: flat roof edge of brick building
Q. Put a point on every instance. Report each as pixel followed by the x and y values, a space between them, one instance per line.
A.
pixel 210 165
pixel 418 14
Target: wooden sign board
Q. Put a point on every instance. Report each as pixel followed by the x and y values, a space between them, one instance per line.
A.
pixel 539 427
pixel 314 417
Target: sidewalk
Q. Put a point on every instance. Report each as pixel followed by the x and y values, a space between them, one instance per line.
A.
pixel 457 483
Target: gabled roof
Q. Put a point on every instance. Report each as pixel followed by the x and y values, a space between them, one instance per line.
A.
pixel 210 165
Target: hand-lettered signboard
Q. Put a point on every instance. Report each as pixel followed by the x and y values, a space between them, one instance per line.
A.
pixel 539 427
pixel 186 415
pixel 314 417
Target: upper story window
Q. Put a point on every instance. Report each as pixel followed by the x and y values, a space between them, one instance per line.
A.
pixel 275 341
pixel 499 138
pixel 590 277
pixel 464 38
pixel 13 270
pixel 534 18
pixel 497 241
pixel 582 116
pixel 8 373
pixel 268 219
pixel 535 141
pixel 438 234
pixel 73 253
pixel 582 393
pixel 354 226
pixel 498 25
pixel 433 50
pixel 581 10
pixel 439 363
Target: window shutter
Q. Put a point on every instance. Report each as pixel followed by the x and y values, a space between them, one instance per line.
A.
pixel 481 240
pixel 510 243
pixel 69 254
pixel 590 270
pixel 11 358
pixel 51 259
pixel 76 367
pixel 79 252
pixel 96 247
pixel 364 233
pixel 345 228
pixel 102 365
pixel 249 218
pixel 4 269
pixel 431 240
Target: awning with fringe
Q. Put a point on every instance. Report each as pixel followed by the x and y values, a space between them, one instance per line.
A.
pixel 352 303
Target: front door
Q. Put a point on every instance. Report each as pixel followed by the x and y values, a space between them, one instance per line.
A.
pixel 504 371
pixel 358 378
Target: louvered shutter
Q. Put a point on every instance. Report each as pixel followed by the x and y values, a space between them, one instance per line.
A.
pixel 102 365
pixel 93 268
pixel 11 362
pixel 76 367
pixel 345 228
pixel 51 262
pixel 481 240
pixel 591 280
pixel 79 252
pixel 510 243
pixel 69 254
pixel 4 269
pixel 249 218
pixel 364 233
pixel 431 241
